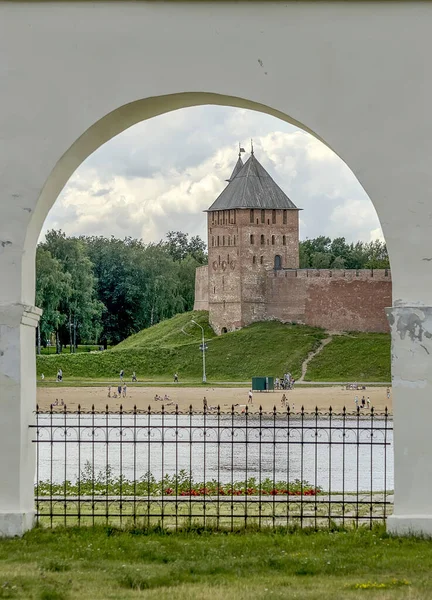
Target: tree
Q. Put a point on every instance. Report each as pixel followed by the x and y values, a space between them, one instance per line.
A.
pixel 53 287
pixel 81 307
pixel 179 247
pixel 321 260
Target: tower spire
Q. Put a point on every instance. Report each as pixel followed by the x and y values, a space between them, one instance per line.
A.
pixel 252 150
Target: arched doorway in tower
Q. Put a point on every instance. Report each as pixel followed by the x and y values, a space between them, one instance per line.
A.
pixel 277 262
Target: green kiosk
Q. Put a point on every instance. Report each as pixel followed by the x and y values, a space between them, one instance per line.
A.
pixel 262 384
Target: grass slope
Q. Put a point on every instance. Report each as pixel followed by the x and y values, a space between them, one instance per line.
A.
pixel 105 563
pixel 268 348
pixel 353 357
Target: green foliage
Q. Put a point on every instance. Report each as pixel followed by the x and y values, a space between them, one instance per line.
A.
pixel 96 288
pixel 104 483
pixel 76 296
pixel 269 348
pixel 353 357
pixel 53 286
pixel 324 253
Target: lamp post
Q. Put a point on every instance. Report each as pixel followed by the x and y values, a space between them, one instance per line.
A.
pixel 203 349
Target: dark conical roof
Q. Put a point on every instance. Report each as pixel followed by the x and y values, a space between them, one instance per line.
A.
pixel 252 187
pixel 238 167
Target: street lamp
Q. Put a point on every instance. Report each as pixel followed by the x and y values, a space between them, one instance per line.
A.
pixel 203 349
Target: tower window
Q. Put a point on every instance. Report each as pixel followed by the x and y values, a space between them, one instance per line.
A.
pixel 212 240
pixel 261 259
pixel 257 221
pixel 218 240
pixel 251 215
pixel 234 240
pixel 277 262
pixel 219 259
pixel 218 217
pixel 253 259
pixel 284 240
pixel 284 217
pixel 262 240
pixel 214 289
pixel 223 282
pixel 262 216
pixel 229 240
pixel 273 217
pixel 251 238
pixel 273 240
pixel 223 240
pixel 268 221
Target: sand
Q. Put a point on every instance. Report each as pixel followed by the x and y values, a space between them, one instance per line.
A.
pixel 142 397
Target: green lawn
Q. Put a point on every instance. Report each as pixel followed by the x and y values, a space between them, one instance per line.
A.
pixel 269 348
pixel 353 357
pixel 105 563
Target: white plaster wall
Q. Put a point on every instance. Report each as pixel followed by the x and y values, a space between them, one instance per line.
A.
pixel 357 74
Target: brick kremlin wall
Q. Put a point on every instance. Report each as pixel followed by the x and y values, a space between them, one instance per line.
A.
pixel 340 300
pixel 201 289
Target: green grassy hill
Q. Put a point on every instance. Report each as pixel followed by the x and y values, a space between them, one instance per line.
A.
pixel 353 357
pixel 267 349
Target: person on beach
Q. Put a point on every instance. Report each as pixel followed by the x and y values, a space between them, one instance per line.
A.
pixel 175 378
pixel 356 401
pixel 368 401
pixel 388 393
pixel 124 391
pixel 59 375
pixel 363 402
pixel 250 397
pixel 119 390
pixel 109 391
pixel 205 406
pixel 134 379
pixel 284 400
pixel 121 375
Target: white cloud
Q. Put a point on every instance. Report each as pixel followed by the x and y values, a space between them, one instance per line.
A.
pixel 162 174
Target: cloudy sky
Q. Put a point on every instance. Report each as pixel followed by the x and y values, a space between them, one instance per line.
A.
pixel 161 174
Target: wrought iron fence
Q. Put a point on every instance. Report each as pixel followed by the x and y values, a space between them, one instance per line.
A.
pixel 213 468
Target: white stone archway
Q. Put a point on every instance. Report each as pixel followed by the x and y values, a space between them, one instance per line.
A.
pixel 353 73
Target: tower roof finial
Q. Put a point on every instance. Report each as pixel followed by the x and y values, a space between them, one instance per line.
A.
pixel 252 151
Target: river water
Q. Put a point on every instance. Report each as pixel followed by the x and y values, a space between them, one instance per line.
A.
pixel 338 454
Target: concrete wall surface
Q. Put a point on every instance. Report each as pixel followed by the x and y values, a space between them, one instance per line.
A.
pixel 356 74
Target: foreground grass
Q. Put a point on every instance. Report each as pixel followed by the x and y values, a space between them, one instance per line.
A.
pixel 267 349
pixel 353 357
pixel 102 562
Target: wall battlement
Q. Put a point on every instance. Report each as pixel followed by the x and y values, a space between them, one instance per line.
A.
pixel 349 274
pixel 339 300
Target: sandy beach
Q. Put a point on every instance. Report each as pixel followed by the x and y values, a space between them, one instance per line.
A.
pixel 143 397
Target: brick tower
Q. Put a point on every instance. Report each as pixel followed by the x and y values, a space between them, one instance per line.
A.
pixel 252 229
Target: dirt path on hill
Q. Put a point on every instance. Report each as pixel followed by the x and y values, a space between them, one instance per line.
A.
pixel 312 355
pixel 337 397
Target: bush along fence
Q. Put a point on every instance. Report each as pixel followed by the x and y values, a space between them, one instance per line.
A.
pixel 223 470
